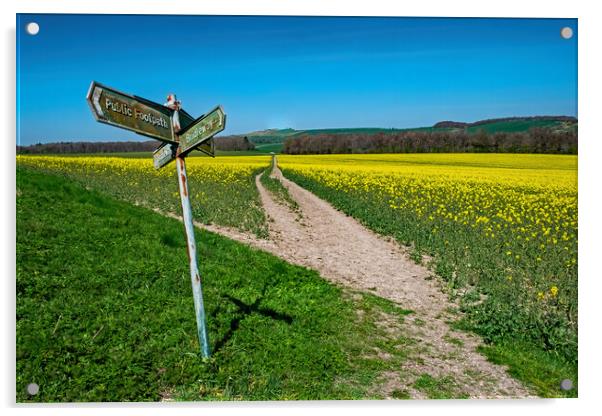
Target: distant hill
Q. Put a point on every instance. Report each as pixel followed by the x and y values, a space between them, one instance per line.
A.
pixel 270 135
pixel 512 124
pixel 507 124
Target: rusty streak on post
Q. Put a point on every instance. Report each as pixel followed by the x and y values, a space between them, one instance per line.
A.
pixel 195 277
pixel 184 187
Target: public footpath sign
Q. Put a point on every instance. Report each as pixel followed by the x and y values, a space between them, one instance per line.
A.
pixel 179 133
pixel 131 113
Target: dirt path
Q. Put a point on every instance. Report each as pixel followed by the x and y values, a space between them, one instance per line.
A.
pixel 345 252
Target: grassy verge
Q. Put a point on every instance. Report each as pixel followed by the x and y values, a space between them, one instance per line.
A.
pixel 539 347
pixel 105 312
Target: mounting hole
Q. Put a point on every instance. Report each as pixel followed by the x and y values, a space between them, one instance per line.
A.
pixel 32 28
pixel 566 32
pixel 566 384
pixel 33 389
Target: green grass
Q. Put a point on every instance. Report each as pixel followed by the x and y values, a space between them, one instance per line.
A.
pixel 516 126
pixel 541 370
pixel 437 387
pixel 105 313
pixel 269 147
pixel 453 340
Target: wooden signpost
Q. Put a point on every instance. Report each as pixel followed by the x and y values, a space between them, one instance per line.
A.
pixel 179 133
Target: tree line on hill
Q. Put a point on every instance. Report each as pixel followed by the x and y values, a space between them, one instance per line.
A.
pixel 536 140
pixel 460 124
pixel 230 143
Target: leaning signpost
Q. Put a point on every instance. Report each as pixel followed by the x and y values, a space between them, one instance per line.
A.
pixel 179 133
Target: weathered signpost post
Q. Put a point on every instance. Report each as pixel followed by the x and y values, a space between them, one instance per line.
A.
pixel 179 134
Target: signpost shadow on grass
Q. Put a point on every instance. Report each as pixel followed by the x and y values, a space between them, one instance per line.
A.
pixel 244 311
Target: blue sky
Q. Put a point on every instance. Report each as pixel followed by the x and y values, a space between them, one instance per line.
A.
pixel 299 72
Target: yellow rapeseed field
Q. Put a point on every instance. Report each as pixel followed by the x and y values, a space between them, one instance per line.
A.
pixel 533 196
pixel 501 227
pixel 222 189
pixel 227 169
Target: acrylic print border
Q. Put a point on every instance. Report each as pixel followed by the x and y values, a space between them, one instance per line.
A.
pixel 586 165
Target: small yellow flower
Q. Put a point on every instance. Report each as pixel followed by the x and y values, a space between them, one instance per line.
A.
pixel 540 295
pixel 554 291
